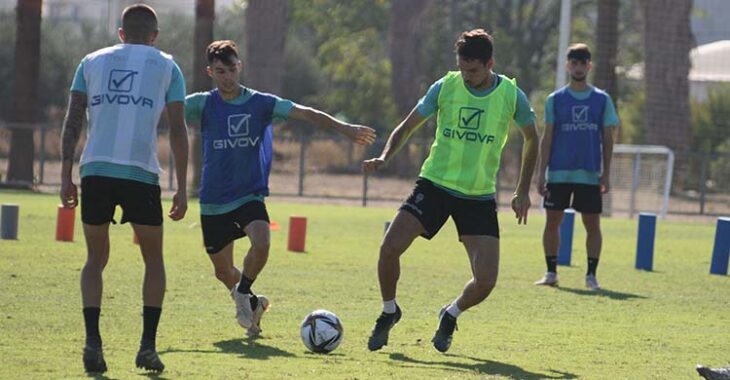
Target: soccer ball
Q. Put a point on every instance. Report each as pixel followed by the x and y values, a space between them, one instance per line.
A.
pixel 321 331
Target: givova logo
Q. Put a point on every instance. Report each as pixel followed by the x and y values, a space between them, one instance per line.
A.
pixel 470 120
pixel 238 133
pixel 580 120
pixel 121 82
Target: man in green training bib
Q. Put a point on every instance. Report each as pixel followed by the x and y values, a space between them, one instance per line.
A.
pixel 474 108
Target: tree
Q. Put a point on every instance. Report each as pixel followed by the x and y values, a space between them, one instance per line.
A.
pixel 406 34
pixel 607 47
pixel 667 43
pixel 266 27
pixel 204 17
pixel 25 87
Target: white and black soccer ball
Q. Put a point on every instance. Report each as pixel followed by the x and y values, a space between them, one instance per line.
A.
pixel 322 331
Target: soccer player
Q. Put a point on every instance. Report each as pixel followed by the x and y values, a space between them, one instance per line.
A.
pixel 124 88
pixel 474 108
pixel 575 155
pixel 237 147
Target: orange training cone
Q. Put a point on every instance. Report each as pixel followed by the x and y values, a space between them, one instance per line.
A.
pixel 274 226
pixel 297 233
pixel 65 223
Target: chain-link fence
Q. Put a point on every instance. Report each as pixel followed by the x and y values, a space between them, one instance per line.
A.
pixel 328 167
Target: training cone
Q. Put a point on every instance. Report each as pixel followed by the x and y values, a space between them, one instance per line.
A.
pixel 297 233
pixel 65 223
pixel 274 226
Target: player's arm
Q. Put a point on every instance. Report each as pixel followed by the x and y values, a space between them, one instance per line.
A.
pixel 396 140
pixel 359 134
pixel 521 199
pixel 179 146
pixel 546 145
pixel 70 135
pixel 607 153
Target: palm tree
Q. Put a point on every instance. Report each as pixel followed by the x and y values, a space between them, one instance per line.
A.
pixel 204 17
pixel 406 34
pixel 266 27
pixel 667 43
pixel 23 108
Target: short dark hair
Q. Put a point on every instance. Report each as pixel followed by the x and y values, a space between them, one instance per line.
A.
pixel 579 52
pixel 475 44
pixel 139 21
pixel 225 51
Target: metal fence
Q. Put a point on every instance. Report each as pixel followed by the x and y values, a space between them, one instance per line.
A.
pixel 328 167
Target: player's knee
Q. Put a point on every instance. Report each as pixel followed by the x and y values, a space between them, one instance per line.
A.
pixel 261 247
pixel 390 249
pixel 222 273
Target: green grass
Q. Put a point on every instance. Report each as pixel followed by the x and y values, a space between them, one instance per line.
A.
pixel 644 325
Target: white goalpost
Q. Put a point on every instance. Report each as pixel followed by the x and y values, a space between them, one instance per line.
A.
pixel 641 179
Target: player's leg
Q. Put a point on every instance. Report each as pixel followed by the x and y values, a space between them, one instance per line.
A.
pixel 260 236
pixel 402 231
pixel 423 213
pixel 556 201
pixel 225 271
pixel 253 221
pixel 478 228
pixel 97 210
pixel 142 207
pixel 588 201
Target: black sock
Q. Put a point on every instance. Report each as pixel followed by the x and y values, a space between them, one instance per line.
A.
pixel 245 285
pixel 254 301
pixel 91 322
pixel 151 318
pixel 592 265
pixel 552 263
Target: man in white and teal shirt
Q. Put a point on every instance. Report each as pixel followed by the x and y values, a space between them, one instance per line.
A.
pixel 236 129
pixel 575 161
pixel 474 108
pixel 124 89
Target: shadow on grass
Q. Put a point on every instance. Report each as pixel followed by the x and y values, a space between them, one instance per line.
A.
pixel 251 348
pixel 248 348
pixel 619 296
pixel 153 375
pixel 488 367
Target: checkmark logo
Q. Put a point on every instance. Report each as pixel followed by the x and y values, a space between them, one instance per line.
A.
pixel 580 114
pixel 470 117
pixel 238 125
pixel 121 80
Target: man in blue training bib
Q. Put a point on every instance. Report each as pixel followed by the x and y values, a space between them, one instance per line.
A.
pixel 575 155
pixel 124 89
pixel 235 124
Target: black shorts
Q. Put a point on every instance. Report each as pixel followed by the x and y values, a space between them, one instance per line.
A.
pixel 140 201
pixel 219 230
pixel 433 206
pixel 586 198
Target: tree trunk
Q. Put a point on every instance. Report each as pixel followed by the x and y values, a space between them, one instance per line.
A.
pixel 24 107
pixel 605 62
pixel 406 32
pixel 667 43
pixel 204 17
pixel 266 27
pixel 607 47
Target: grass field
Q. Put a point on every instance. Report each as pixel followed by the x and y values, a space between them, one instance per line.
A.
pixel 644 325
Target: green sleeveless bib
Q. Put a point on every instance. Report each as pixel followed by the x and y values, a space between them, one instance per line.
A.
pixel 471 132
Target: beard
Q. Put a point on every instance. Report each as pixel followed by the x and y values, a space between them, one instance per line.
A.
pixel 577 78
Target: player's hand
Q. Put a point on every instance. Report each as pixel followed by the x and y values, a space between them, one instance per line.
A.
pixel 605 184
pixel 541 187
pixel 179 206
pixel 360 134
pixel 520 205
pixel 69 194
pixel 372 165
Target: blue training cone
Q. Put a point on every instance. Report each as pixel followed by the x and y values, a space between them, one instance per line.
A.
pixel 721 250
pixel 645 241
pixel 566 237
